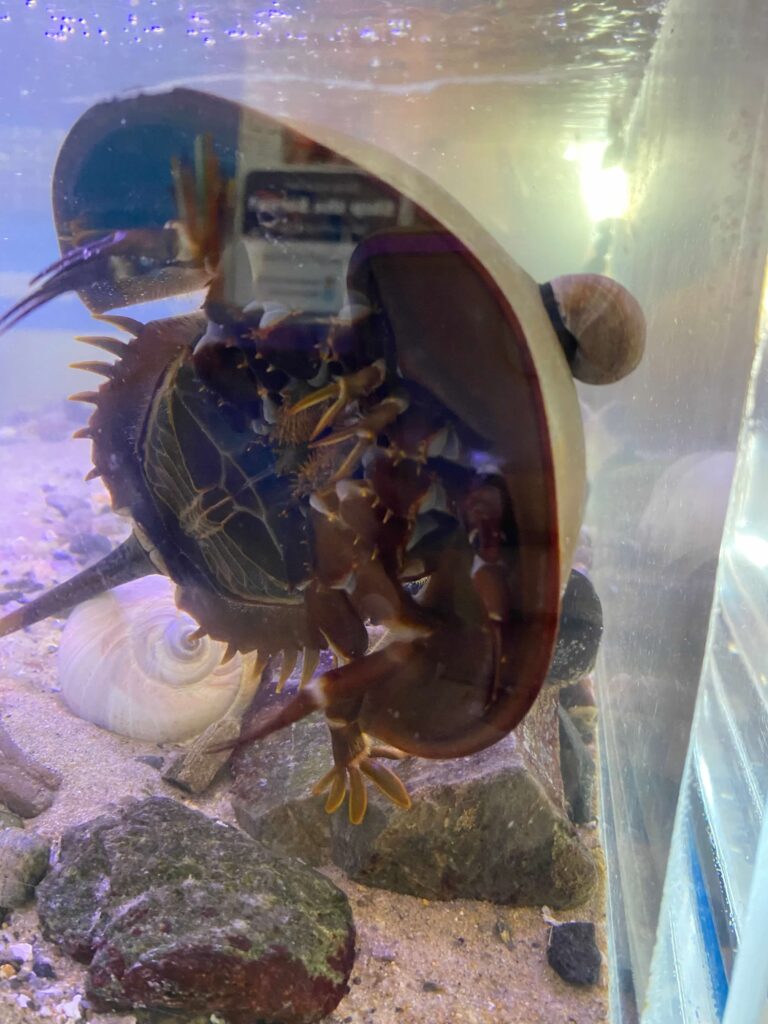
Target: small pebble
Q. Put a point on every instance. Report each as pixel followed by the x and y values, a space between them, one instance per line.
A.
pixel 573 953
pixel 384 953
pixel 71 1008
pixel 153 760
pixel 43 968
pixel 504 934
pixel 20 951
pixel 7 971
pixel 66 504
pixel 25 584
pixel 431 986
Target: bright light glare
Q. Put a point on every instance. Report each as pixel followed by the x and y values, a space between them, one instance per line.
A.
pixel 605 190
pixel 753 548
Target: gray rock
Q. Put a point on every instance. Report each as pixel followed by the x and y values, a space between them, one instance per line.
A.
pixel 492 826
pixel 26 787
pixel 480 828
pixel 195 767
pixel 26 584
pixel 272 794
pixel 67 504
pixel 10 820
pixel 88 547
pixel 177 912
pixel 155 761
pixel 23 863
pixel 578 768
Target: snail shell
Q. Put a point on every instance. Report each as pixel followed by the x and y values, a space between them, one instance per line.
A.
pixel 606 322
pixel 129 662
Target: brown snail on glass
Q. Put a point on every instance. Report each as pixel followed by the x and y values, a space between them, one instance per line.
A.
pixel 373 395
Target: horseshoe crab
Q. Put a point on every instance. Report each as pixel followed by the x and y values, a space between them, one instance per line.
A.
pixel 372 419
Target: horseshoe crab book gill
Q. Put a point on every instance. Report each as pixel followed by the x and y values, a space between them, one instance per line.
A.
pixel 376 382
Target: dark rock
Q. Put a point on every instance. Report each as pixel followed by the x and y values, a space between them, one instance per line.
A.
pixel 177 912
pixel 89 546
pixel 573 953
pixel 153 760
pixel 581 627
pixel 492 826
pixel 579 695
pixel 26 786
pixel 25 584
pixel 578 767
pixel 67 504
pixel 43 968
pixel 23 863
pixel 579 701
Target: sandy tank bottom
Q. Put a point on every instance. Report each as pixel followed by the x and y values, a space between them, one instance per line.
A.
pixel 461 962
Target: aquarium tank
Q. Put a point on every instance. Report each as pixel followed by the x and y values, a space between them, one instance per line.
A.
pixel 384 525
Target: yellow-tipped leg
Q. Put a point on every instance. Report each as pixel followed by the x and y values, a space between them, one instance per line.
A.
pixel 336 391
pixel 341 392
pixel 358 798
pixel 387 783
pixel 335 782
pixel 353 767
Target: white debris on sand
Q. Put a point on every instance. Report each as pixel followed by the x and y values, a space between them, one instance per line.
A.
pixel 446 963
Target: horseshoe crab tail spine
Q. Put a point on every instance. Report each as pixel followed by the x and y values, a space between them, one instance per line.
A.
pixel 127 562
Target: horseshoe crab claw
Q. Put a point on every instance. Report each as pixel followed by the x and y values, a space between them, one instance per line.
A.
pixel 142 264
pixel 142 255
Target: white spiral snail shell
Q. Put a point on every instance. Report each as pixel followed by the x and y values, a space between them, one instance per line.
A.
pixel 129 662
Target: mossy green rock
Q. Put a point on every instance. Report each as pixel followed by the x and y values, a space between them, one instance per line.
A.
pixel 272 794
pixel 492 826
pixel 481 827
pixel 175 911
pixel 23 862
